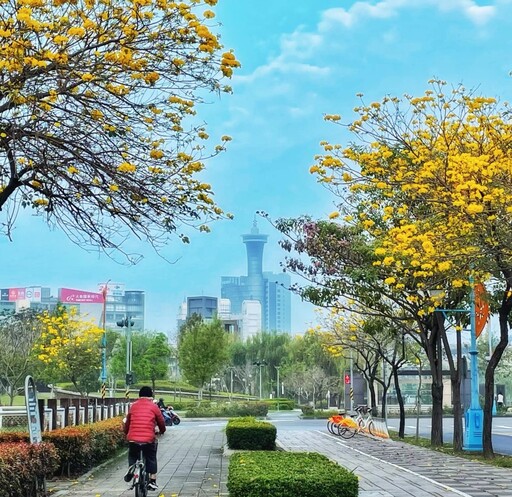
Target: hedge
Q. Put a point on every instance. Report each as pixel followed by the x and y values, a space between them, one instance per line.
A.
pixel 79 448
pixel 21 463
pixel 228 410
pixel 284 404
pixel 288 474
pixel 249 434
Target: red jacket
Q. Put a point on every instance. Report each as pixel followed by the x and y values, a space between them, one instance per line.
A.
pixel 141 420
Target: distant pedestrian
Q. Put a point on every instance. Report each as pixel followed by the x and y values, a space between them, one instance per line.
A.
pixel 499 400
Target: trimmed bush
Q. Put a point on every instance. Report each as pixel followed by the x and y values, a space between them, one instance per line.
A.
pixel 284 404
pixel 249 434
pixel 79 447
pixel 74 446
pixel 228 410
pixel 288 474
pixel 82 447
pixel 21 462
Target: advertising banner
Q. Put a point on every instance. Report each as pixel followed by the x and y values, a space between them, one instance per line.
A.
pixel 71 296
pixel 16 294
pixel 4 294
pixel 34 421
pixel 33 294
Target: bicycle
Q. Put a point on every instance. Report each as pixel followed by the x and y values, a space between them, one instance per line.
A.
pixel 140 476
pixel 347 427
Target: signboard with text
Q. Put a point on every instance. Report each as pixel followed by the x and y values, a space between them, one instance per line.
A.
pixel 34 421
pixel 72 296
pixel 113 289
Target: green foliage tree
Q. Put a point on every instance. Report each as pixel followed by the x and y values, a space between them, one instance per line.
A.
pixel 150 356
pixel 202 351
pixel 18 334
pixel 155 360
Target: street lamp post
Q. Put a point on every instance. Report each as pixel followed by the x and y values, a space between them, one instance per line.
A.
pixel 474 415
pixel 104 292
pixel 473 426
pixel 278 387
pixel 128 324
pixel 260 364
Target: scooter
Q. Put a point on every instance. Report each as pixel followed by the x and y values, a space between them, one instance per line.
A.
pixel 170 417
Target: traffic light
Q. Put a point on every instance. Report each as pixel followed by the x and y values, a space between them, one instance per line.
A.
pixel 347 379
pixel 129 379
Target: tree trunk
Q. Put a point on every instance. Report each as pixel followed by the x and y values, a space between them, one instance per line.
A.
pixel 435 357
pixel 504 312
pixel 384 400
pixel 373 398
pixel 400 398
pixel 457 404
pixel 455 377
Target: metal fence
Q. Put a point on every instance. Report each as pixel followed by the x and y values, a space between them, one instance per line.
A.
pixel 69 412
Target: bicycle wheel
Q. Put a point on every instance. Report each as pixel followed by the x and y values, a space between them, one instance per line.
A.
pixel 345 432
pixel 141 487
pixel 371 427
pixel 330 427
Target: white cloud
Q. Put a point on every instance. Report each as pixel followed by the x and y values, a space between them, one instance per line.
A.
pixel 300 46
pixel 384 9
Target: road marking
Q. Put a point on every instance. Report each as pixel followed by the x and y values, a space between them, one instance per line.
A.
pixel 430 480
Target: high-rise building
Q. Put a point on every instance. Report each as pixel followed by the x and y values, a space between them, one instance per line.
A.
pixel 208 308
pixel 269 289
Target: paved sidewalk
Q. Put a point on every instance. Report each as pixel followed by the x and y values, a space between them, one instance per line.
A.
pixel 191 464
pixel 394 469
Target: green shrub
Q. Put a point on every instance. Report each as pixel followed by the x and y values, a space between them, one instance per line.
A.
pixel 20 462
pixel 79 448
pixel 228 410
pixel 307 410
pixel 249 434
pixel 288 474
pixel 284 404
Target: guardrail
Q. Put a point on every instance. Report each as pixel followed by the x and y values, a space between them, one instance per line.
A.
pixel 70 412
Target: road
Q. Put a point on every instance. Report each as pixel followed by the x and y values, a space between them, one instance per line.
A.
pixel 502 428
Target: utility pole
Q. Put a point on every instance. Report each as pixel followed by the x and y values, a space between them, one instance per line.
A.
pixel 278 386
pixel 128 324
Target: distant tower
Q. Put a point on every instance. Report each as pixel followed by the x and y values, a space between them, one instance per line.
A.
pixel 254 243
pixel 268 290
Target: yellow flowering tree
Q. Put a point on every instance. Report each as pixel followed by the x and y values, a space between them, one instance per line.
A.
pixel 69 349
pixel 429 183
pixel 98 125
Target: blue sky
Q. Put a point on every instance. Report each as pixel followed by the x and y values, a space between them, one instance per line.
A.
pixel 300 60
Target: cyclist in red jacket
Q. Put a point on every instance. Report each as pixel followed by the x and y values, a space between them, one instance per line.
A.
pixel 139 427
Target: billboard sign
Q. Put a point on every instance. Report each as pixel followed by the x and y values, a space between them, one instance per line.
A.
pixel 34 421
pixel 16 294
pixel 4 294
pixel 71 296
pixel 33 294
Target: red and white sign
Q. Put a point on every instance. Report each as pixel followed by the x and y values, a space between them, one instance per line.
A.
pixel 69 295
pixel 16 294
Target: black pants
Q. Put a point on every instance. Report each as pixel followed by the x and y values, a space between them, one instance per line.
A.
pixel 149 450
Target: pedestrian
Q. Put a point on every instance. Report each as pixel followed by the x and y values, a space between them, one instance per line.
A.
pixel 499 400
pixel 142 419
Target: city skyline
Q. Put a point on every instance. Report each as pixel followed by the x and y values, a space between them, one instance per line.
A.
pixel 300 61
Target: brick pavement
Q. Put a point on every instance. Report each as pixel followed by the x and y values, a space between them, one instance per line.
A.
pixel 191 464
